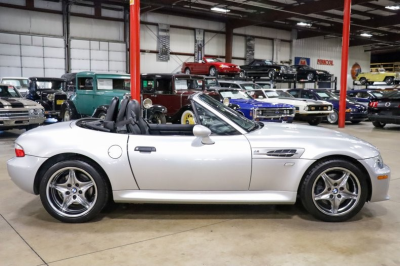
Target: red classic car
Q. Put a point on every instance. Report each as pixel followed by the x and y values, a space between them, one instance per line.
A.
pixel 210 66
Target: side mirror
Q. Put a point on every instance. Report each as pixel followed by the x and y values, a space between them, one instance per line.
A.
pixel 203 133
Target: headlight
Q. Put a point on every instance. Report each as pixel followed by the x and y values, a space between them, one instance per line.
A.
pixel 306 108
pixel 223 66
pixel 147 103
pixel 50 97
pixel 320 72
pixel 349 110
pixel 329 108
pixel 379 161
pixel 36 112
pixel 237 67
pixel 226 101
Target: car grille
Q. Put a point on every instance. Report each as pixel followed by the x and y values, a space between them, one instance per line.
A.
pixel 13 114
pixel 274 112
pixel 58 98
pixel 318 107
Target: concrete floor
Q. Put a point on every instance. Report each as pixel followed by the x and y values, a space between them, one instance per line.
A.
pixel 202 235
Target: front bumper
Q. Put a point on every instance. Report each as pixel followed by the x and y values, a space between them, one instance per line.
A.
pixel 387 119
pixel 356 116
pixel 20 122
pixel 281 119
pixel 380 188
pixel 22 171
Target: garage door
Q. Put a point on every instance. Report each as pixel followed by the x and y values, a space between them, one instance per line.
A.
pixel 98 56
pixel 27 56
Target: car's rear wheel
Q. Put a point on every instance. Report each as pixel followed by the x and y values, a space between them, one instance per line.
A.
pixel 272 74
pixel 213 71
pixel 187 71
pixel 187 118
pixel 378 124
pixel 334 190
pixel 242 74
pixel 363 81
pixel 389 80
pixel 314 121
pixel 310 76
pixel 73 191
pixel 333 117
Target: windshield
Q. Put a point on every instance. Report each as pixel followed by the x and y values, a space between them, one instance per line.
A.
pixel 284 94
pixel 235 94
pixel 229 113
pixel 306 67
pixel 250 86
pixel 50 85
pixel 211 60
pixel 19 83
pixel 8 91
pixel 113 84
pixel 392 94
pixel 326 95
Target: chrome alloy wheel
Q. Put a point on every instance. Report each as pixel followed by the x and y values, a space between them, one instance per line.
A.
pixel 71 192
pixel 336 191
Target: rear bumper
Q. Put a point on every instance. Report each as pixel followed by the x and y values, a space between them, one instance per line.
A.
pixel 387 119
pixel 228 71
pixel 356 116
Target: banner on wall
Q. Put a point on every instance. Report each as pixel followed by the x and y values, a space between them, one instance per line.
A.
pixel 198 44
pixel 163 42
pixel 250 43
pixel 304 61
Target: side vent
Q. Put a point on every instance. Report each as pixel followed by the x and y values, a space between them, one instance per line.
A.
pixel 281 153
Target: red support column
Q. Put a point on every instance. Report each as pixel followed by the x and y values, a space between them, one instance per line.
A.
pixel 345 62
pixel 134 48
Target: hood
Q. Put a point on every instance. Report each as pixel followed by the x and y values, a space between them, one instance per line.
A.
pixel 15 102
pixel 249 104
pixel 318 142
pixel 294 101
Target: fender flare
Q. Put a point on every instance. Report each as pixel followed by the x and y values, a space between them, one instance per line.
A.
pixel 100 109
pixel 69 105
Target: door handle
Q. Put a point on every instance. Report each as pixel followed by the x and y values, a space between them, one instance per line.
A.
pixel 145 149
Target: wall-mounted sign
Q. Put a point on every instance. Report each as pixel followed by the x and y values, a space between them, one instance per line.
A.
pixel 325 62
pixel 304 61
pixel 163 42
pixel 198 44
pixel 250 44
pixel 355 70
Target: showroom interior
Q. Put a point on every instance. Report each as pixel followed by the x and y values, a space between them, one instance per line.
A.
pixel 199 132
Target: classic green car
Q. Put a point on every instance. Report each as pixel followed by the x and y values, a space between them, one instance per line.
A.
pixel 380 76
pixel 90 94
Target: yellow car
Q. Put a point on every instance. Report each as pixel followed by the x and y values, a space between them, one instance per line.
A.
pixel 380 76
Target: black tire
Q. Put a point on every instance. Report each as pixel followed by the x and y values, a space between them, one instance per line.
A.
pixel 310 76
pixel 378 124
pixel 320 195
pixel 158 118
pixel 272 74
pixel 91 190
pixel 363 81
pixel 187 71
pixel 242 74
pixel 389 80
pixel 31 127
pixel 333 117
pixel 213 72
pixel 355 122
pixel 67 116
pixel 102 115
pixel 314 121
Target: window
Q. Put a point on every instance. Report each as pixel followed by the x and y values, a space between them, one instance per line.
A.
pixel 225 85
pixel 113 84
pixel 85 83
pixel 50 85
pixel 163 86
pixel 235 86
pixel 307 95
pixel 148 85
pixel 188 84
pixel 258 94
pixel 213 122
pixel 296 94
pixel 19 83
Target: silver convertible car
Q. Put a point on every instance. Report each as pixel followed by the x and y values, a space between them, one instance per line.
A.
pixel 224 158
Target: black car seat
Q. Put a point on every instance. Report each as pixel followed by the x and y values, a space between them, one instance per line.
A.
pixel 136 124
pixel 121 122
pixel 109 121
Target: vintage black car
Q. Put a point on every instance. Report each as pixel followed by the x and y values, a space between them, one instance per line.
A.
pixel 385 110
pixel 307 73
pixel 266 68
pixel 49 92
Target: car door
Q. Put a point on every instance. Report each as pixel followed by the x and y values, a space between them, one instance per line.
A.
pixel 84 101
pixel 183 163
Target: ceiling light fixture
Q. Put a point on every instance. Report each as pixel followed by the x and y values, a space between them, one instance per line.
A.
pixel 303 24
pixel 392 7
pixel 366 35
pixel 219 9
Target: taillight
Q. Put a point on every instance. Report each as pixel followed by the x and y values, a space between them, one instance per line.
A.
pixel 19 151
pixel 373 104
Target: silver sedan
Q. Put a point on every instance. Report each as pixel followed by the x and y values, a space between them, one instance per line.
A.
pixel 78 167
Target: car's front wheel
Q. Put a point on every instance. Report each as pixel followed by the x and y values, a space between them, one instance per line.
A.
pixel 389 80
pixel 315 121
pixel 363 81
pixel 73 191
pixel 158 118
pixel 378 124
pixel 67 115
pixel 102 115
pixel 334 190
pixel 187 118
pixel 333 117
pixel 310 76
pixel 187 71
pixel 213 71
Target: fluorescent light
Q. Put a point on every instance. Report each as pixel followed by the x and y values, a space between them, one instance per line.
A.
pixel 366 35
pixel 392 7
pixel 303 24
pixel 219 9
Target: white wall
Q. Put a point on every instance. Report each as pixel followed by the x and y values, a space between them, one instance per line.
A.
pixel 330 49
